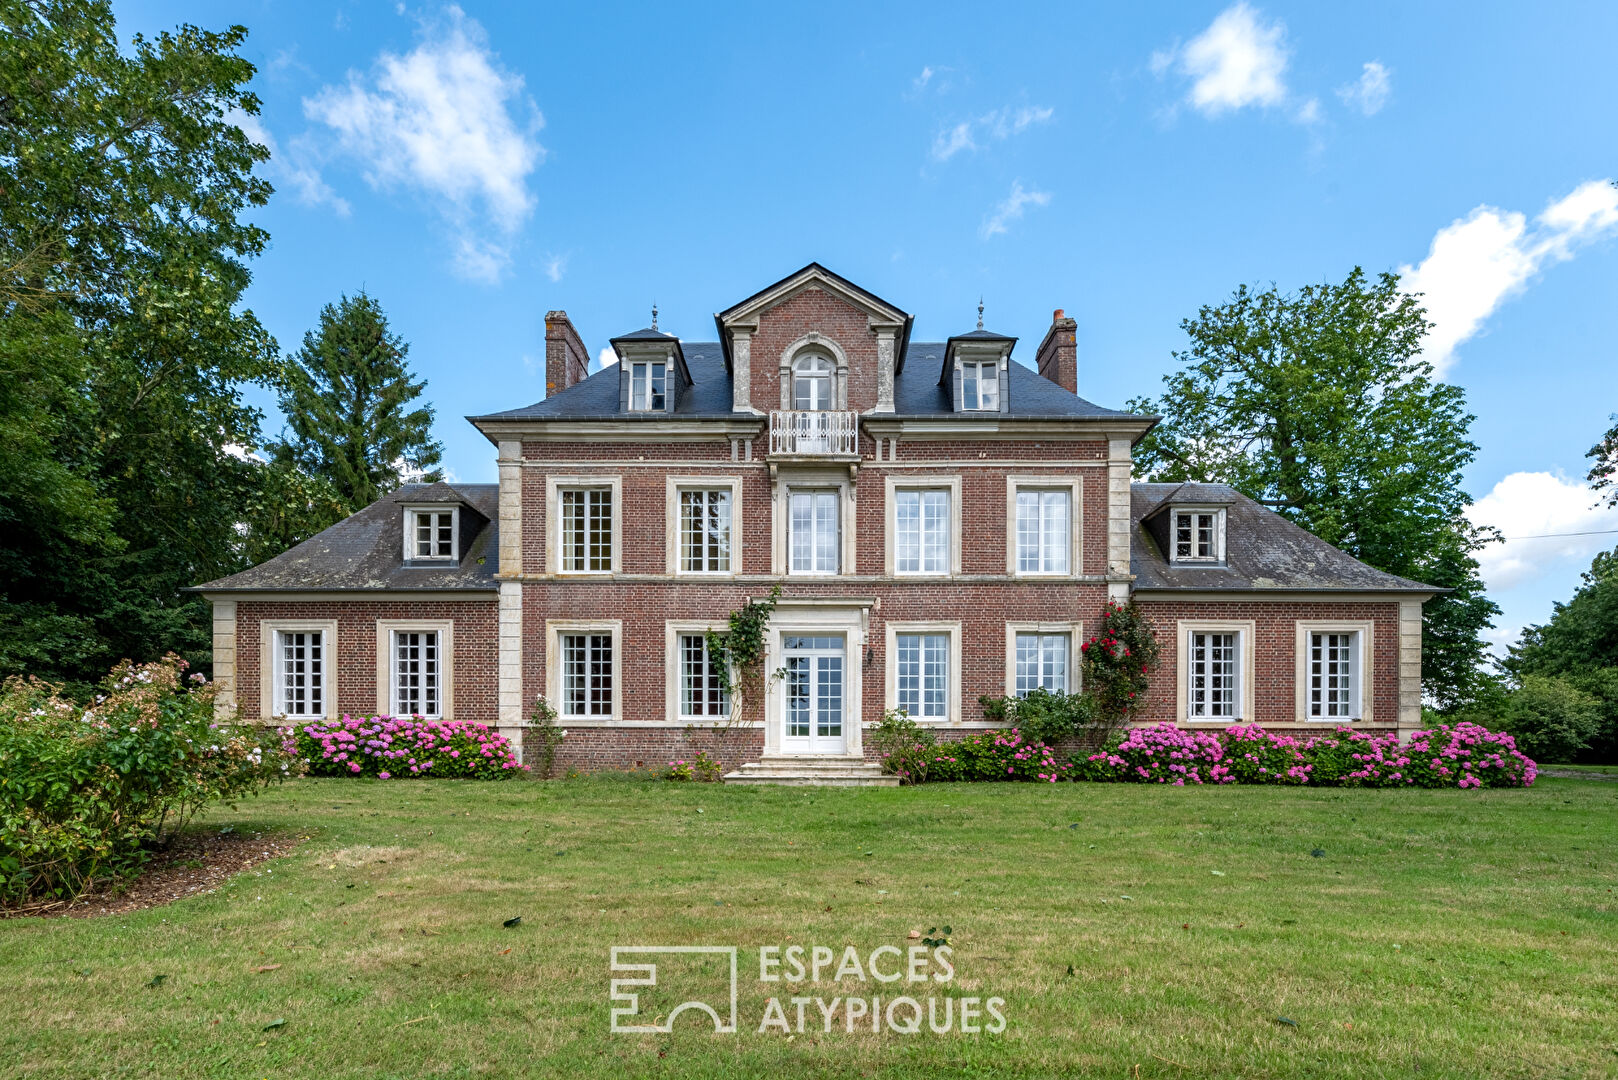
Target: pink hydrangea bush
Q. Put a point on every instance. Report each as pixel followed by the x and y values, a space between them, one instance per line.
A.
pixel 996 755
pixel 1462 756
pixel 405 747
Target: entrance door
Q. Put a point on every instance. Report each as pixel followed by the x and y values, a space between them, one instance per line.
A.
pixel 813 701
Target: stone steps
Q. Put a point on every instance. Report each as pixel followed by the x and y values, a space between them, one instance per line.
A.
pixel 812 770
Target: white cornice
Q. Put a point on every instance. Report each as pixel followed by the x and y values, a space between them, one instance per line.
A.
pixel 813 277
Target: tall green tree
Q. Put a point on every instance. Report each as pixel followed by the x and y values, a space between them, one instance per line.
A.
pixel 123 346
pixel 347 405
pixel 1582 634
pixel 1319 405
pixel 1603 474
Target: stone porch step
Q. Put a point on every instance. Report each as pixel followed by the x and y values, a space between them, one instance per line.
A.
pixel 812 769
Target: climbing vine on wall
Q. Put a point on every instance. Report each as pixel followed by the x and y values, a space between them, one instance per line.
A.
pixel 739 652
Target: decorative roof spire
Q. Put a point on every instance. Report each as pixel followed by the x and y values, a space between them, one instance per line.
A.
pixel 654 316
pixel 980 313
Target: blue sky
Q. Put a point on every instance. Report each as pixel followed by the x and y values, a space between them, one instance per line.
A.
pixel 473 167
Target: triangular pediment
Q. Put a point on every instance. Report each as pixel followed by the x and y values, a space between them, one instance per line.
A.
pixel 813 276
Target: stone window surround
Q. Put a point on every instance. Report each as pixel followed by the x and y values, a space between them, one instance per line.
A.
pixel 815 342
pixel 554 486
pixel 1075 632
pixel 554 631
pixel 445 628
pixel 952 685
pixel 1074 485
pixel 920 482
pixel 673 630
pixel 1245 650
pixel 781 526
pixel 410 512
pixel 269 665
pixel 1366 630
pixel 672 541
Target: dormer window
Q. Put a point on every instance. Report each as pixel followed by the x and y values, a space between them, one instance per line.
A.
pixel 980 386
pixel 648 382
pixel 812 383
pixel 1199 535
pixel 431 534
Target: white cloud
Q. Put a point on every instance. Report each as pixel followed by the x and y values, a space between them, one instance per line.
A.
pixel 1309 112
pixel 555 266
pixel 606 358
pixel 1371 92
pixel 1477 262
pixel 1239 60
pixel 991 126
pixel 1011 209
pixel 1533 504
pixel 448 121
pixel 292 169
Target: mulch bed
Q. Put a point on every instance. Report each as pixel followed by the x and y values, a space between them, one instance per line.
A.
pixel 196 862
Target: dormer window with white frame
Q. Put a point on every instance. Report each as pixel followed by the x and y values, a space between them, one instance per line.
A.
pixel 1197 534
pixel 648 386
pixel 432 534
pixel 980 386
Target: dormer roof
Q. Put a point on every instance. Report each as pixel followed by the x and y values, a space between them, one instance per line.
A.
pixel 813 276
pixel 978 341
pixel 642 341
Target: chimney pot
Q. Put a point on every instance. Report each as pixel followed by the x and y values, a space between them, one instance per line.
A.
pixel 1056 316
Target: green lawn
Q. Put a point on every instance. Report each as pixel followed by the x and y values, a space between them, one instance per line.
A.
pixel 1436 934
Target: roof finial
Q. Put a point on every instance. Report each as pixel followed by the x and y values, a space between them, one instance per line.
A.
pixel 654 315
pixel 980 313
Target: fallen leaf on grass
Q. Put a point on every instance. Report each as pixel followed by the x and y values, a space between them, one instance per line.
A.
pixel 157 980
pixel 278 1022
pixel 502 952
pixel 914 934
pixel 1217 873
pixel 509 923
pixel 262 968
pixel 1287 1020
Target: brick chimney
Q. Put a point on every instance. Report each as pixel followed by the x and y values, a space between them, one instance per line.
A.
pixel 1058 354
pixel 566 359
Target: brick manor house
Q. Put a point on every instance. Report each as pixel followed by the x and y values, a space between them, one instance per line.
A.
pixel 944 523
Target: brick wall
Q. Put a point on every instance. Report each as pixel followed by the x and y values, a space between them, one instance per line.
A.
pixel 814 310
pixel 475 657
pixel 1275 654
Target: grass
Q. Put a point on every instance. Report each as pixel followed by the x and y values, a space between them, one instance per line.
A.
pixel 1435 933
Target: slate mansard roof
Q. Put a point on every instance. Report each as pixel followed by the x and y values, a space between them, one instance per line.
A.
pixel 915 390
pixel 365 552
pixel 1263 550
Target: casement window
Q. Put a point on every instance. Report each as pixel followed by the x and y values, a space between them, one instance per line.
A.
pixel 1213 673
pixel 586 541
pixel 705 518
pixel 587 675
pixel 921 673
pixel 430 535
pixel 300 673
pixel 813 531
pixel 1199 535
pixel 648 384
pixel 1332 675
pixel 417 681
pixel 702 682
pixel 1042 662
pixel 921 524
pixel 980 386
pixel 1044 521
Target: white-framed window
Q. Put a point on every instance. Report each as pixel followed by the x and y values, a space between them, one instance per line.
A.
pixel 812 382
pixel 587 529
pixel 1198 535
pixel 980 385
pixel 922 674
pixel 648 383
pixel 1213 690
pixel 921 527
pixel 814 539
pixel 1332 674
pixel 416 674
pixel 705 520
pixel 588 672
pixel 1042 661
pixel 702 682
pixel 1043 528
pixel 300 673
pixel 430 534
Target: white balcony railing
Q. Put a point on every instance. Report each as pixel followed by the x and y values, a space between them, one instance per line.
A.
pixel 814 433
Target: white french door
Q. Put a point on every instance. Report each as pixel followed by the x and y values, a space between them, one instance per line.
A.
pixel 816 687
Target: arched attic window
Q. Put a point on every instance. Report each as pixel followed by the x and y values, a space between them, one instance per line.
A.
pixel 813 382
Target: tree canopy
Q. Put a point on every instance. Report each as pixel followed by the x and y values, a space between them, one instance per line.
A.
pixel 1318 405
pixel 1603 475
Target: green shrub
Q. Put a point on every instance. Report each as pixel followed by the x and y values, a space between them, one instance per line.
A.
pixel 87 793
pixel 1601 684
pixel 1042 715
pixel 996 755
pixel 905 748
pixel 1551 718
